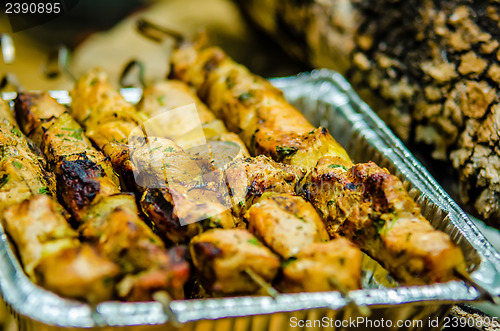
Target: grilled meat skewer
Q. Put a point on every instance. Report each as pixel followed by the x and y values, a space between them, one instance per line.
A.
pixel 147 163
pixel 370 206
pixel 282 221
pixel 267 124
pixel 292 228
pixel 250 106
pixel 53 256
pixel 107 217
pixel 49 248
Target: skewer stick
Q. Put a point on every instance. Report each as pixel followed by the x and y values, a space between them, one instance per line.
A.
pixel 10 79
pixel 271 291
pixel 465 277
pixel 361 309
pixel 58 63
pixel 126 73
pixel 158 33
pixel 165 299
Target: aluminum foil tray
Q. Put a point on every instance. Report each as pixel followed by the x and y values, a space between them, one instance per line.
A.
pixel 328 100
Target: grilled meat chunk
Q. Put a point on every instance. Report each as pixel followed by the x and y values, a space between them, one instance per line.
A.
pixel 292 228
pixel 324 267
pixel 252 107
pixel 90 191
pixel 52 255
pixel 372 208
pixel 285 223
pixel 223 255
pixel 21 174
pixel 250 178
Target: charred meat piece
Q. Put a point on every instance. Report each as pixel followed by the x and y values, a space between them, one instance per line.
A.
pixel 250 178
pixel 89 189
pixel 84 175
pixel 222 256
pixel 372 208
pixel 177 188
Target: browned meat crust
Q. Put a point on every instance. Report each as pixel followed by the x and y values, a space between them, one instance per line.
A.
pixel 222 256
pixel 371 207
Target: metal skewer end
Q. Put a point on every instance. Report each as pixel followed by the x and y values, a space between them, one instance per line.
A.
pixel 361 309
pixel 128 69
pixel 158 33
pixel 271 291
pixel 464 276
pixel 58 64
pixel 10 79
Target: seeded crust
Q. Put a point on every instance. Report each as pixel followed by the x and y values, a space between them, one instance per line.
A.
pixel 431 69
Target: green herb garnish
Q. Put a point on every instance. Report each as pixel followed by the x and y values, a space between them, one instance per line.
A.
pixel 254 241
pixel 18 165
pixel 229 82
pixel 44 190
pixel 161 100
pixel 169 149
pixel 334 166
pixel 246 96
pixel 284 152
pixel 16 131
pixel 379 224
pixel 4 180
pixel 232 143
pixel 77 134
pixel 288 261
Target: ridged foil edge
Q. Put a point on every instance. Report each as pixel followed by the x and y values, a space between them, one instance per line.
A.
pixel 33 302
